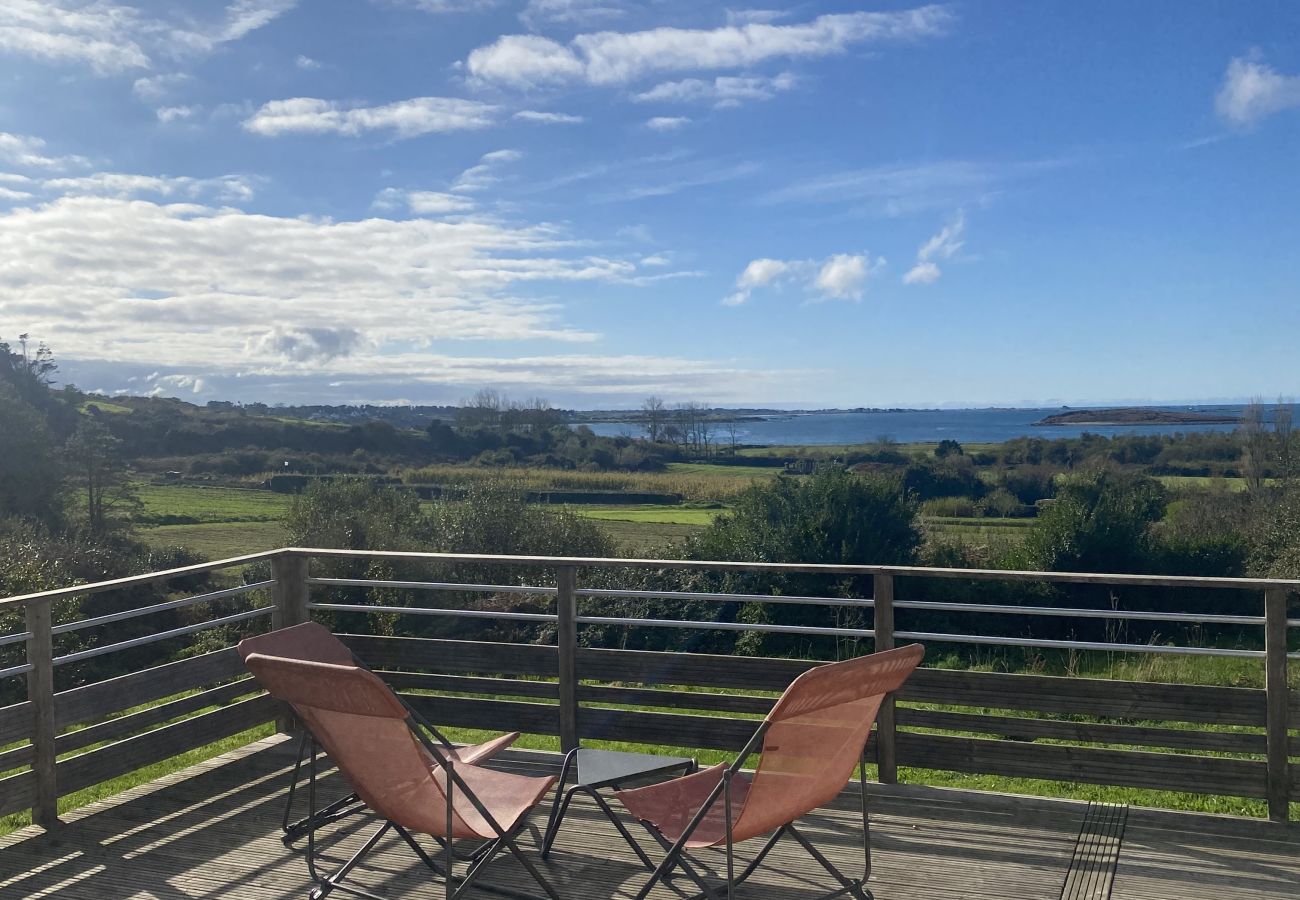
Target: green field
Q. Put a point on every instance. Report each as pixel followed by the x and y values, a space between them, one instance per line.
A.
pixel 662 514
pixel 218 540
pixel 196 504
pixel 711 470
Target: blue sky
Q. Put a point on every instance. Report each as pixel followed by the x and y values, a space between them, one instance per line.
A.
pixel 591 201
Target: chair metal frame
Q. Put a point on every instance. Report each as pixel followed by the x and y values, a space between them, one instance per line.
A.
pixel 455 885
pixel 347 805
pixel 678 858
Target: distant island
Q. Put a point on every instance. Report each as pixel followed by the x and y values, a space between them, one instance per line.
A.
pixel 1136 415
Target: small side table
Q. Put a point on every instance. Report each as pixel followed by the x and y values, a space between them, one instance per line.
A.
pixel 597 769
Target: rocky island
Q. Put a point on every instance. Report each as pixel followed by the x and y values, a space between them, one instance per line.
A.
pixel 1137 415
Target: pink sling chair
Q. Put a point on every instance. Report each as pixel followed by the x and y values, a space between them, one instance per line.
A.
pixel 810 742
pixel 313 642
pixel 407 780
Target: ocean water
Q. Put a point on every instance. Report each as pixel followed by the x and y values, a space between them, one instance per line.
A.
pixel 962 425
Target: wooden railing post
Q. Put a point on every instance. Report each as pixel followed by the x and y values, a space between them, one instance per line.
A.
pixel 289 595
pixel 886 747
pixel 290 591
pixel 40 691
pixel 1275 686
pixel 566 608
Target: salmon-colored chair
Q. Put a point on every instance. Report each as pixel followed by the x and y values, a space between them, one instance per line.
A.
pixel 313 642
pixel 410 782
pixel 810 742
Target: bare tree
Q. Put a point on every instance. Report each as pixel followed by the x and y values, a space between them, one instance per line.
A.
pixel 1255 442
pixel 654 415
pixel 483 410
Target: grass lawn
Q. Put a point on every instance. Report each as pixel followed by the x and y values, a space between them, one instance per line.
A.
pixel 218 540
pixel 105 407
pixel 1205 483
pixel 716 471
pixel 645 539
pixel 658 513
pixel 195 504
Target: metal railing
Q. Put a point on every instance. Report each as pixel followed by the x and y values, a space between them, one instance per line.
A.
pixel 292 586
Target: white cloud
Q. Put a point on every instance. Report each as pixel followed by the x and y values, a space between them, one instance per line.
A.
pixel 547 118
pixel 944 245
pixel 112 38
pixel 843 276
pixel 158 87
pixel 608 57
pixel 723 91
pixel 922 273
pixel 433 203
pixel 667 123
pixel 119 184
pixel 13 194
pixel 911 188
pixel 539 13
pixel 191 285
pixel 406 118
pixel 1252 91
pixel 306 345
pixel 167 114
pixel 305 62
pixel 26 150
pixel 486 173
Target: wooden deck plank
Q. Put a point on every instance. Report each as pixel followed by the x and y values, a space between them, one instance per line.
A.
pixel 212 831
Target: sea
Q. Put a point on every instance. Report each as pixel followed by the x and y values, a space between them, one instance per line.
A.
pixel 923 425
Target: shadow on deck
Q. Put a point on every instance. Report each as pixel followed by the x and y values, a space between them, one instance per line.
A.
pixel 212 831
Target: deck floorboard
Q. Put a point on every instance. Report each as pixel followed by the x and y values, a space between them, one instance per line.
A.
pixel 212 832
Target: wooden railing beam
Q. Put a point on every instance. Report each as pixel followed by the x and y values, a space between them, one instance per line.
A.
pixel 40 691
pixel 566 606
pixel 1277 701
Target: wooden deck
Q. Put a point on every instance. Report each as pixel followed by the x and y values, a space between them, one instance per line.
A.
pixel 212 831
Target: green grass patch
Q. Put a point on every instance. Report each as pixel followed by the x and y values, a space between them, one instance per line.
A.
pixel 195 504
pixel 219 540
pixel 711 470
pixel 659 513
pixel 103 406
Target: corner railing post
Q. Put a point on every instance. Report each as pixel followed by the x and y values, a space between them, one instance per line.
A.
pixel 886 747
pixel 566 608
pixel 1275 686
pixel 40 691
pixel 289 596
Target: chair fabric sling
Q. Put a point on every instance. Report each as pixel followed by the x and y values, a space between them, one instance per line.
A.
pixel 811 741
pixel 401 776
pixel 315 643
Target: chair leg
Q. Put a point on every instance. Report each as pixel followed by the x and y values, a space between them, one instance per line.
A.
pixel 560 805
pixel 847 885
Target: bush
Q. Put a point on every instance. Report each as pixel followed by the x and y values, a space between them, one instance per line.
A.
pixel 1101 522
pixel 955 507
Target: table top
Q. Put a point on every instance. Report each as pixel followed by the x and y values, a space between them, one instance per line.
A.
pixel 600 768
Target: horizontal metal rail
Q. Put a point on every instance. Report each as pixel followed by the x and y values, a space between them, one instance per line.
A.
pixel 1195 581
pixel 14 638
pixel 726 626
pixel 161 636
pixel 424 611
pixel 729 598
pixel 1075 645
pixel 1074 612
pixel 99 587
pixel 16 670
pixel 433 586
pixel 160 607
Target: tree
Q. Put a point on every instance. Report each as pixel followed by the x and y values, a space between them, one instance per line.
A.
pixel 654 415
pixel 1284 436
pixel 98 470
pixel 30 474
pixel 1254 447
pixel 1100 522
